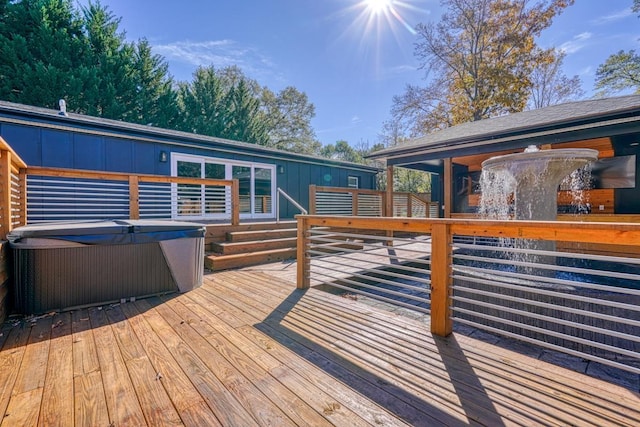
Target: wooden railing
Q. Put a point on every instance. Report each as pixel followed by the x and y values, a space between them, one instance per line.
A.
pixel 12 187
pixel 359 202
pixel 16 195
pixel 129 190
pixel 437 255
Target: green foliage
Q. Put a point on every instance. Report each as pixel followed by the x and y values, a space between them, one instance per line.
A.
pixel 288 117
pixel 40 41
pixel 411 181
pixel 49 51
pixel 341 150
pixel 621 71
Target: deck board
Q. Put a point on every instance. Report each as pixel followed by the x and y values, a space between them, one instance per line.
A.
pixel 57 399
pixel 247 348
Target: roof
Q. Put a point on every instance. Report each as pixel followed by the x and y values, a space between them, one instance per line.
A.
pixel 116 128
pixel 555 119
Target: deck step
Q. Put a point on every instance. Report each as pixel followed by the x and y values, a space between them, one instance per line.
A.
pixel 218 262
pixel 251 235
pixel 245 247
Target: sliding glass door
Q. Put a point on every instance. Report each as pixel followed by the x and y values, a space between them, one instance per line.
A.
pixel 256 182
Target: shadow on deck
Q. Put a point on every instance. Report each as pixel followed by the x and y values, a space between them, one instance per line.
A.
pixel 247 348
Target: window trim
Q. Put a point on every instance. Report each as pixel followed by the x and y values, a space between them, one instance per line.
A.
pixel 356 178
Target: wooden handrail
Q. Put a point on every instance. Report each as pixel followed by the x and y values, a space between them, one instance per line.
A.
pixel 134 181
pixel 386 202
pixel 12 212
pixel 15 159
pixel 442 231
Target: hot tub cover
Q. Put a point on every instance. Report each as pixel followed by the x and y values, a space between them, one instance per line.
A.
pixel 116 232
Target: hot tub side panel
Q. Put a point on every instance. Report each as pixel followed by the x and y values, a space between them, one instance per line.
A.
pixel 63 278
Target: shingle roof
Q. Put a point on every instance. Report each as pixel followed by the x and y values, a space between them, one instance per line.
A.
pixel 167 135
pixel 556 116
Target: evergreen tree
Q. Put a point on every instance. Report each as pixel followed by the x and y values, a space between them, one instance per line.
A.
pixel 202 104
pixel 247 123
pixel 42 53
pixel 155 100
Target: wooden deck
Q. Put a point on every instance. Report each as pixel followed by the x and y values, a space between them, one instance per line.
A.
pixel 247 348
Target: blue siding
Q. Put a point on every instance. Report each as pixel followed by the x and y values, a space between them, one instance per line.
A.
pixel 145 158
pixel 39 145
pixel 57 148
pixel 25 141
pixel 118 155
pixel 88 152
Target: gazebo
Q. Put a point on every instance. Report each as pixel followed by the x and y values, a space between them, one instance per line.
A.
pixel 609 125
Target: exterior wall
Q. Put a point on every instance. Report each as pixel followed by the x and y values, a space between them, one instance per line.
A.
pixel 627 200
pixel 117 150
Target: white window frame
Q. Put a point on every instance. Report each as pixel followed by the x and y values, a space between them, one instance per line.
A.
pixel 228 163
pixel 357 181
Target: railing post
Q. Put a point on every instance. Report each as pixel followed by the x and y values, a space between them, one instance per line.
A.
pixel 303 261
pixel 409 205
pixel 388 201
pixel 22 190
pixel 235 202
pixel 354 202
pixel 134 197
pixel 5 194
pixel 312 199
pixel 441 323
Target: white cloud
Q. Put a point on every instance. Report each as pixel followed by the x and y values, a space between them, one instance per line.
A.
pixel 612 17
pixel 220 54
pixel 586 71
pixel 577 43
pixel 355 120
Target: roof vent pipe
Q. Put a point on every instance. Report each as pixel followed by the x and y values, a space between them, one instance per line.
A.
pixel 63 108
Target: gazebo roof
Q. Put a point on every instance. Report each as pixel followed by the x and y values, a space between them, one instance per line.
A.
pixel 558 123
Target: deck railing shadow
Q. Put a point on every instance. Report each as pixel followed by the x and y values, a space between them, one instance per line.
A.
pixel 491 275
pixel 310 340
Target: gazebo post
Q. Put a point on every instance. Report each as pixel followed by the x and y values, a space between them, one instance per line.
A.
pixel 447 197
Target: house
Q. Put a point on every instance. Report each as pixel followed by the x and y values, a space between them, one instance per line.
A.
pixel 610 125
pixel 50 138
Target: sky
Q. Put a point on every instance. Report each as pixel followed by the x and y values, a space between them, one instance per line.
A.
pixel 349 56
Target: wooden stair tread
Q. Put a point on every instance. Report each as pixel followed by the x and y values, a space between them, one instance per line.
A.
pixel 230 248
pixel 217 262
pixel 245 236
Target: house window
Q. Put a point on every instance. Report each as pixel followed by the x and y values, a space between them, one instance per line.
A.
pixel 353 182
pixel 256 188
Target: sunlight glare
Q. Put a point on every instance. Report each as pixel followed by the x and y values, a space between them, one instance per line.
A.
pixel 377 7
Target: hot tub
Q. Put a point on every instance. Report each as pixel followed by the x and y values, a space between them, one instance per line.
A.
pixel 61 266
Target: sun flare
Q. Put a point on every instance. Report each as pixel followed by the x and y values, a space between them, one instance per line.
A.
pixel 384 12
pixel 377 7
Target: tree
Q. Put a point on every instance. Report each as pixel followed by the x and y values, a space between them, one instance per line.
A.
pixel 619 72
pixel 479 59
pixel 246 122
pixel 222 103
pixel 288 117
pixel 155 100
pixel 49 50
pixel 551 86
pixel 341 151
pixel 42 52
pixel 202 103
pixel 111 93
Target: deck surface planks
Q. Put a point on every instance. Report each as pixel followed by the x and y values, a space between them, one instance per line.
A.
pixel 247 348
